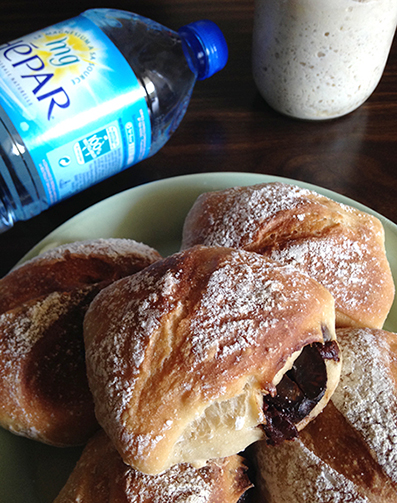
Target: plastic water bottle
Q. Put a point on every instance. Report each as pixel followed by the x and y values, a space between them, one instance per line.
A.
pixel 90 96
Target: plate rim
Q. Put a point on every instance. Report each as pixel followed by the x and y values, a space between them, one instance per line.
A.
pixel 194 178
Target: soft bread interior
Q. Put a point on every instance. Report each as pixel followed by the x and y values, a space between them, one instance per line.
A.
pixel 229 426
pixel 224 428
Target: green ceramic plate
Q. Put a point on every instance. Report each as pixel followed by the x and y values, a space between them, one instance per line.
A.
pixel 153 214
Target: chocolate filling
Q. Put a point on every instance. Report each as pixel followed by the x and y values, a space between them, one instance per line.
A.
pixel 298 392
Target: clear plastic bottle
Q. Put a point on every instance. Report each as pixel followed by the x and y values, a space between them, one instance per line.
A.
pixel 91 96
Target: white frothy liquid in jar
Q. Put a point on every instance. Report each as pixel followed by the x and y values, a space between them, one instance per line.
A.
pixel 320 59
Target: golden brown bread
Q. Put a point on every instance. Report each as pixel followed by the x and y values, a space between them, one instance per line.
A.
pixel 180 356
pixel 349 452
pixel 71 266
pixel 100 476
pixel 44 392
pixel 339 246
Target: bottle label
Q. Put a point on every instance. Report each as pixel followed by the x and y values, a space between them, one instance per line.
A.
pixel 76 103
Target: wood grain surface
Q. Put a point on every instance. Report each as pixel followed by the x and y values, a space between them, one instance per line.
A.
pixel 228 126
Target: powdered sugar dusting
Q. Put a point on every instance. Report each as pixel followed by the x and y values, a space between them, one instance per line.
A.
pixel 111 248
pixel 101 476
pixel 366 394
pixel 342 266
pixel 335 244
pixel 207 314
pixel 244 299
pixel 245 210
pixel 117 357
pixel 178 484
pixel 23 327
pixel 303 478
pixel 231 311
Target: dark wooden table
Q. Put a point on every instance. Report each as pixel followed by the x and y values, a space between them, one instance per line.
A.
pixel 228 127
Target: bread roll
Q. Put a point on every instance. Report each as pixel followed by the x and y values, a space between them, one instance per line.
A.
pixel 44 392
pixel 349 452
pixel 100 476
pixel 71 266
pixel 339 246
pixel 180 356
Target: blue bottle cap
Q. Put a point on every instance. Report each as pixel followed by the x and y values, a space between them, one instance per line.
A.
pixel 209 47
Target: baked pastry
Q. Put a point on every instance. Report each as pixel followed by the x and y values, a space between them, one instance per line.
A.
pixel 339 246
pixel 44 392
pixel 349 452
pixel 100 476
pixel 71 266
pixel 207 351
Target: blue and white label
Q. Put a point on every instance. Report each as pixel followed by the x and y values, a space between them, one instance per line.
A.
pixel 76 103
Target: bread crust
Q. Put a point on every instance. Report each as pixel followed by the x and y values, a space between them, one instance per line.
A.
pixel 338 245
pixel 349 452
pixel 44 392
pixel 180 355
pixel 100 476
pixel 71 266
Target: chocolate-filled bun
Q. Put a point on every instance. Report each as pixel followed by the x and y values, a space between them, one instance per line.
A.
pixel 207 351
pixel 44 393
pixel 339 246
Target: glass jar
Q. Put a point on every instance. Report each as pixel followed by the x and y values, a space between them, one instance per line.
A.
pixel 320 59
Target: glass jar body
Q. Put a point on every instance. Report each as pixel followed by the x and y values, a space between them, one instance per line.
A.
pixel 320 59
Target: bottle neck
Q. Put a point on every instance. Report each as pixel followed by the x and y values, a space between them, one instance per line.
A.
pixel 205 48
pixel 194 54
